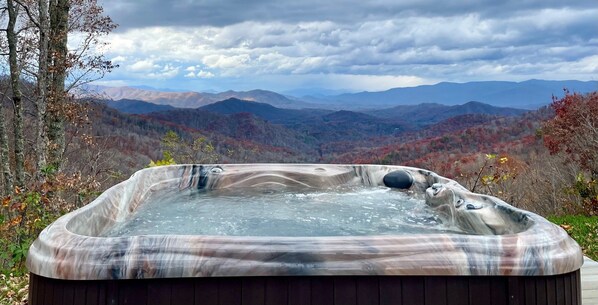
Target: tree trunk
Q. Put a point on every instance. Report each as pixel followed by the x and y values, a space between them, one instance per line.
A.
pixel 11 37
pixel 41 141
pixel 4 160
pixel 59 10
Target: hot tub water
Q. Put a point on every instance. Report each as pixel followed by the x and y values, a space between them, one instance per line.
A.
pixel 338 211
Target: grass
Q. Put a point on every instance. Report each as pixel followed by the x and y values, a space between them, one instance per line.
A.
pixel 13 289
pixel 584 229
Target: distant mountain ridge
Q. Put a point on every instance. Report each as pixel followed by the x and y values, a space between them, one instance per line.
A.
pixel 196 99
pixel 430 113
pixel 136 107
pixel 294 128
pixel 415 116
pixel 529 94
pixel 263 110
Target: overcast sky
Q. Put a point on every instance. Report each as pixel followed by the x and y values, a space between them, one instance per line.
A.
pixel 351 45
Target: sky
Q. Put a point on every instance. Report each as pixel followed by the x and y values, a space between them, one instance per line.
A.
pixel 347 45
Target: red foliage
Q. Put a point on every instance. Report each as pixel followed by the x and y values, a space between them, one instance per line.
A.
pixel 574 129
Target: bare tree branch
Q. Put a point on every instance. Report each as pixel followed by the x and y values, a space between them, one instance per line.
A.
pixel 31 17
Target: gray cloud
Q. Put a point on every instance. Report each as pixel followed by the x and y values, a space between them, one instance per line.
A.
pixel 367 43
pixel 142 13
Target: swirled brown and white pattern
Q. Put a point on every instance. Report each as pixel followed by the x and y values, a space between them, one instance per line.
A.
pixel 503 240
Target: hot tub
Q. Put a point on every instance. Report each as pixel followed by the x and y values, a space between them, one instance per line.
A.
pixel 479 249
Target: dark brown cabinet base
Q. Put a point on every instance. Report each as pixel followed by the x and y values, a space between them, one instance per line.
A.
pixel 560 289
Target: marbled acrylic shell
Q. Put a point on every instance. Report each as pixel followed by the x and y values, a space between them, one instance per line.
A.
pixel 502 240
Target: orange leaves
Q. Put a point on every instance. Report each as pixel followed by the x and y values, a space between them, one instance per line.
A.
pixel 16 221
pixel 6 201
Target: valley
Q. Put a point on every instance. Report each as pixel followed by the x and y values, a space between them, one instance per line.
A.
pixel 251 131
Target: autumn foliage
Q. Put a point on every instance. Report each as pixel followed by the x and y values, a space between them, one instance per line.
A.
pixel 574 130
pixel 574 133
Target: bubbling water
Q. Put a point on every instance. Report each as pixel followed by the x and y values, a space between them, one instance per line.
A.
pixel 339 211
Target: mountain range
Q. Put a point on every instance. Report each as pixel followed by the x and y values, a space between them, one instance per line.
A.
pixel 429 113
pixel 529 94
pixel 195 99
pixel 304 130
pixel 264 111
pixel 136 107
pixel 413 115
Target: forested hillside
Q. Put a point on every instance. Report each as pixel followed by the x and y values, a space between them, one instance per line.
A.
pixel 138 138
pixel 341 136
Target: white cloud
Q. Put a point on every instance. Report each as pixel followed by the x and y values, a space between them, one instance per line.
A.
pixel 199 74
pixel 226 62
pixel 118 59
pixel 149 69
pixel 588 64
pixel 166 72
pixel 145 65
pixel 122 44
pixel 204 74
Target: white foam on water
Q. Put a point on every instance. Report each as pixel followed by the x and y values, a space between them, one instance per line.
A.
pixel 340 211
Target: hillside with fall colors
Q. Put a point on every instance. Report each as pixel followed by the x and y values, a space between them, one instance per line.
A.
pixel 291 135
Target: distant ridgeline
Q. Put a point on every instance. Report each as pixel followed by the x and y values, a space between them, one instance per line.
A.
pixel 529 94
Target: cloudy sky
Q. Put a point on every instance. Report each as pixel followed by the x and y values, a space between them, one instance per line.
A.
pixel 351 45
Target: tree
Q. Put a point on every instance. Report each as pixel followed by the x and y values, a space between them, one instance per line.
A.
pixel 178 150
pixel 58 70
pixel 82 64
pixel 41 136
pixel 58 52
pixel 574 130
pixel 15 72
pixel 5 172
pixel 35 48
